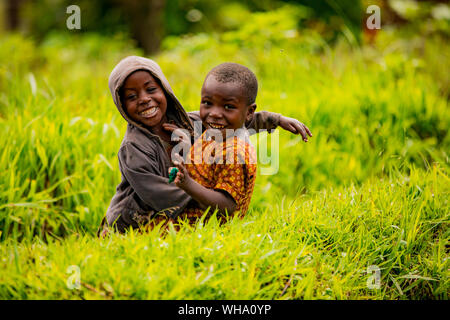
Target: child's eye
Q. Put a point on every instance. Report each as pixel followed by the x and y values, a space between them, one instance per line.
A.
pixel 131 96
pixel 229 106
pixel 206 103
pixel 151 90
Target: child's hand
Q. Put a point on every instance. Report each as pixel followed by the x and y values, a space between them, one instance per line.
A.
pixel 182 179
pixel 181 135
pixel 170 126
pixel 295 126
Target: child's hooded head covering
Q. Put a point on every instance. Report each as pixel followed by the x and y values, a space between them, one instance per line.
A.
pixel 131 64
pixel 144 189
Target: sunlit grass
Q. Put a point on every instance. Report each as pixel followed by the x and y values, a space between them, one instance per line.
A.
pixel 319 246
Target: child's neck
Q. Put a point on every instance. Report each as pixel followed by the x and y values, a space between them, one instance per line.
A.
pixel 160 132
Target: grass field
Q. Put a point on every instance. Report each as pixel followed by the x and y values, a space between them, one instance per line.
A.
pixel 369 191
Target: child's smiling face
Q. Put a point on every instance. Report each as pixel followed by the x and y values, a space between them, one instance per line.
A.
pixel 224 105
pixel 144 99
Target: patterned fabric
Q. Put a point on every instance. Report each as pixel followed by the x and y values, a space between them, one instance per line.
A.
pixel 229 166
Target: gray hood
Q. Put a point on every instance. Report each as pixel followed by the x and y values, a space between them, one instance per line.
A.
pixel 128 65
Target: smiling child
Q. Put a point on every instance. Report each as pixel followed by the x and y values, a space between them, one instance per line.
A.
pixel 146 101
pixel 226 183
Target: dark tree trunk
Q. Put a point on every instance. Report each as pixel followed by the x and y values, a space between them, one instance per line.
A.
pixel 12 14
pixel 146 22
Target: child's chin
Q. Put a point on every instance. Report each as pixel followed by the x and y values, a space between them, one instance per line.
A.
pixel 152 122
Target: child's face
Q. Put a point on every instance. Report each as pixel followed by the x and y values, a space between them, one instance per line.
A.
pixel 144 99
pixel 224 105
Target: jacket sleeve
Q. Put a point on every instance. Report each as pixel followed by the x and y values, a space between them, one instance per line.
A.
pixel 261 120
pixel 142 171
pixel 264 120
pixel 194 115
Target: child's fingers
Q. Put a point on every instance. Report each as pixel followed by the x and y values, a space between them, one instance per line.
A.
pixel 307 130
pixel 288 127
pixel 180 167
pixel 303 130
pixel 303 133
pixel 179 178
pixel 298 129
pixel 291 128
pixel 169 127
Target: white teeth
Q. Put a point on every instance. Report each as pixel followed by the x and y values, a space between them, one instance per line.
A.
pixel 149 112
pixel 215 126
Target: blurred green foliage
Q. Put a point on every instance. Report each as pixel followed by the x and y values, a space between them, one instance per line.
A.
pixel 41 17
pixel 330 19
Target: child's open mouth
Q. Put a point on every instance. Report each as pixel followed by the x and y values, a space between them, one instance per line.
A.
pixel 216 126
pixel 148 113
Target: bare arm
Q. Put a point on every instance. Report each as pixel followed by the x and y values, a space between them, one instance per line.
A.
pixel 265 120
pixel 204 196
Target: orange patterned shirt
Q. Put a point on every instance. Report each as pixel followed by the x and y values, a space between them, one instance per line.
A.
pixel 228 166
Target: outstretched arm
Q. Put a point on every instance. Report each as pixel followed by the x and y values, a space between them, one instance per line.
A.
pixel 295 126
pixel 265 120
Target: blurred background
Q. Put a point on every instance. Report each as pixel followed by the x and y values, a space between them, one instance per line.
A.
pixel 150 22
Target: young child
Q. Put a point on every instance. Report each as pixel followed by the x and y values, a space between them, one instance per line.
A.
pixel 227 101
pixel 146 101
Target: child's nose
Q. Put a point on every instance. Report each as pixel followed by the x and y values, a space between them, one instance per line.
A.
pixel 144 98
pixel 215 113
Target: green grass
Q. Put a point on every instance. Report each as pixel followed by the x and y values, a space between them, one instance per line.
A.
pixel 370 188
pixel 318 246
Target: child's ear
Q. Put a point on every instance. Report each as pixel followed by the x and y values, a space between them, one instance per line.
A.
pixel 250 111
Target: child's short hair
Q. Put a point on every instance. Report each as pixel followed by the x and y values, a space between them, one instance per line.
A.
pixel 234 72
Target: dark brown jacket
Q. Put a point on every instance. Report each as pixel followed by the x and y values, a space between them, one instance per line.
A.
pixel 143 159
